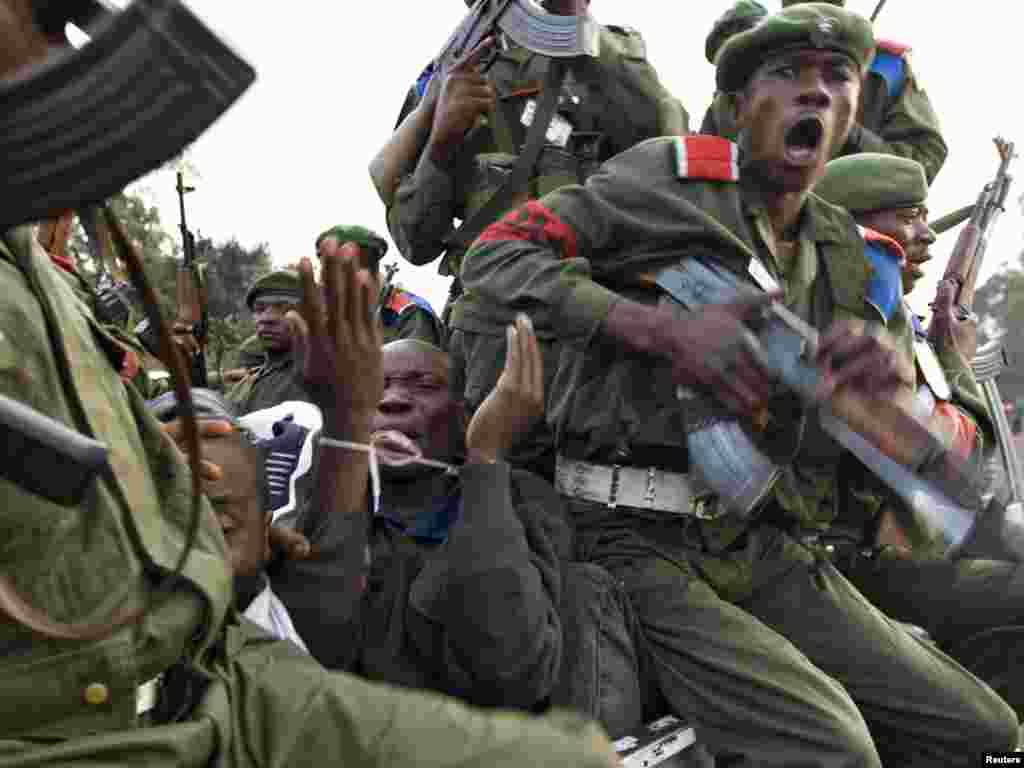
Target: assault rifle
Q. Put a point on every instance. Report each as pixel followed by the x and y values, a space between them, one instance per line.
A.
pixel 191 295
pixel 965 263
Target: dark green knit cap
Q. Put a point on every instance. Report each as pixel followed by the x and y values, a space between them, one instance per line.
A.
pixel 368 240
pixel 280 282
pixel 869 181
pixel 742 16
pixel 787 3
pixel 806 25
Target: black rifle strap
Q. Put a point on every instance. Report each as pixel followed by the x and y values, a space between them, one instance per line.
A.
pixel 470 229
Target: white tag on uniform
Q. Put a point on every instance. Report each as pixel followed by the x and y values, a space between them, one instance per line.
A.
pixel 931 370
pixel 762 276
pixel 558 132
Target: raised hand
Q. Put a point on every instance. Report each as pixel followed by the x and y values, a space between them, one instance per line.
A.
pixel 340 338
pixel 515 404
pixel 464 96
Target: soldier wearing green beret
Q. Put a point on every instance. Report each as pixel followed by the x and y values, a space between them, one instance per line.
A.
pixel 121 646
pixel 447 172
pixel 403 314
pixel 895 114
pixel 751 630
pixel 899 563
pixel 277 378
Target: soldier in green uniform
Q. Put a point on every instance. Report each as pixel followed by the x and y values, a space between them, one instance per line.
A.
pixel 403 314
pixel 608 104
pixel 751 630
pixel 895 114
pixel 899 563
pixel 279 377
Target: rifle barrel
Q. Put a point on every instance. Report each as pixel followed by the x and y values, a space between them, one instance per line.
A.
pixel 878 9
pixel 950 220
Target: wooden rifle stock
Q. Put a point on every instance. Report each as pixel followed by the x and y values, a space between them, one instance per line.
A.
pixel 965 262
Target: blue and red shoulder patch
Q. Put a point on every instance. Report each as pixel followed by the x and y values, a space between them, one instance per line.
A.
pixel 708 158
pixel 533 223
pixel 401 301
pixel 887 257
pixel 891 65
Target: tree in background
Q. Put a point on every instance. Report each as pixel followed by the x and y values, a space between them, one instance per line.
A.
pixel 230 269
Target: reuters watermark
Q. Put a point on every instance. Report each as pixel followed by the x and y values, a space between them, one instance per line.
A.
pixel 1002 758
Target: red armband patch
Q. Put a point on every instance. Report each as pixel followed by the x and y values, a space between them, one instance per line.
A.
pixel 891 46
pixel 710 158
pixel 398 301
pixel 963 429
pixel 535 224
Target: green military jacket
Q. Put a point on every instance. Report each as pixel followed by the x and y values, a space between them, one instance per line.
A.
pixel 252 702
pixel 81 564
pixel 612 102
pixel 277 380
pixel 895 110
pixel 571 256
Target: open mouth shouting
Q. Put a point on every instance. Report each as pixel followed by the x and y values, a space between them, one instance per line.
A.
pixel 803 140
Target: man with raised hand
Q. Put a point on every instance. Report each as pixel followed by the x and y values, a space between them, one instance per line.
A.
pixel 751 630
pixel 108 661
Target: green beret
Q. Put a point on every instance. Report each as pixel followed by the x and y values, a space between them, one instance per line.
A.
pixel 280 282
pixel 742 16
pixel 869 181
pixel 805 25
pixel 368 240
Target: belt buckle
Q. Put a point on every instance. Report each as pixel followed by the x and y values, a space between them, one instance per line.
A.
pixel 613 489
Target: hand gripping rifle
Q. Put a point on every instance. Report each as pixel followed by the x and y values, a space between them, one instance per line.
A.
pixel 191 295
pixel 74 131
pixel 965 262
pixel 740 464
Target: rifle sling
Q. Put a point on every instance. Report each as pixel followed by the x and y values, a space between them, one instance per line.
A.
pixel 471 228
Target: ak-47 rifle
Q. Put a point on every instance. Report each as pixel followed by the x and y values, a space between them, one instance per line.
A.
pixel 965 263
pixel 191 295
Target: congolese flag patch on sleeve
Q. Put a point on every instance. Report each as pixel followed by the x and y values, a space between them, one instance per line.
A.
pixel 885 288
pixel 710 158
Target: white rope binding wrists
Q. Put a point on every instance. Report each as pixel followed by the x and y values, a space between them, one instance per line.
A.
pixel 345 445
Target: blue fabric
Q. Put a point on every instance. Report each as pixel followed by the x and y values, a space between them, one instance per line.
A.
pixel 432 524
pixel 423 81
pixel 892 69
pixel 885 289
pixel 919 330
pixel 389 316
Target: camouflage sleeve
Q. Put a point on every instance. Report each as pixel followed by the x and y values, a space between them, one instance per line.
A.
pixel 718 120
pixel 544 257
pixel 907 126
pixel 503 652
pixel 423 212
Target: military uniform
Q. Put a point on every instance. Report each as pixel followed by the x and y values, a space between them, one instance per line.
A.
pixel 227 693
pixel 716 598
pixel 278 377
pixel 955 601
pixel 609 104
pixel 895 114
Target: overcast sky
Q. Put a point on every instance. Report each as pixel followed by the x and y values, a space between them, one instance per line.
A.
pixel 290 158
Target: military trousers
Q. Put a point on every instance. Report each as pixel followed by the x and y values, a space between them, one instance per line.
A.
pixel 973 609
pixel 270 705
pixel 778 659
